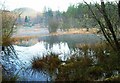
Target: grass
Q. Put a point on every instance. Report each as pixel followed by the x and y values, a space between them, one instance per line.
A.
pixel 88 67
pixel 48 64
pixel 51 60
pixel 8 77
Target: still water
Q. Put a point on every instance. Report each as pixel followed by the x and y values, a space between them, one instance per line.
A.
pixel 73 39
pixel 61 45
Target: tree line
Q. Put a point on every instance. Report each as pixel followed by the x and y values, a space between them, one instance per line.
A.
pixel 80 16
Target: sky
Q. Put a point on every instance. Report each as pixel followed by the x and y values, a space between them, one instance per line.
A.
pixel 39 5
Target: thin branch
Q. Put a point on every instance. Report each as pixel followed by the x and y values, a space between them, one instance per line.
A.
pixel 110 26
pixel 101 26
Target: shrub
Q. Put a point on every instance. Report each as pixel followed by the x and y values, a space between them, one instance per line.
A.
pixel 48 64
pixel 82 68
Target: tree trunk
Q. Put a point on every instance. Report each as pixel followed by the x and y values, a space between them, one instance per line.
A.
pixel 119 9
pixel 109 25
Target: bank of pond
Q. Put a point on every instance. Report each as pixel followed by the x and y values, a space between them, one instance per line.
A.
pixel 77 57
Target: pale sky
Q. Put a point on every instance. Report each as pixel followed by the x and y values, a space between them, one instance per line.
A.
pixel 39 5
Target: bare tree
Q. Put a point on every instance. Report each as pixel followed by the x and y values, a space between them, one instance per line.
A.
pixel 108 28
pixel 109 25
pixel 8 22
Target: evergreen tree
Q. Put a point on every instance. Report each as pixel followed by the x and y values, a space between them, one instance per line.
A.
pixel 26 19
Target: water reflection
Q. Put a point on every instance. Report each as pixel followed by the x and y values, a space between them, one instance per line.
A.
pixel 62 45
pixel 73 39
pixel 22 65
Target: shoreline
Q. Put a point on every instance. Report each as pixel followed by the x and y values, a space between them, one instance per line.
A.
pixel 71 31
pixel 20 38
